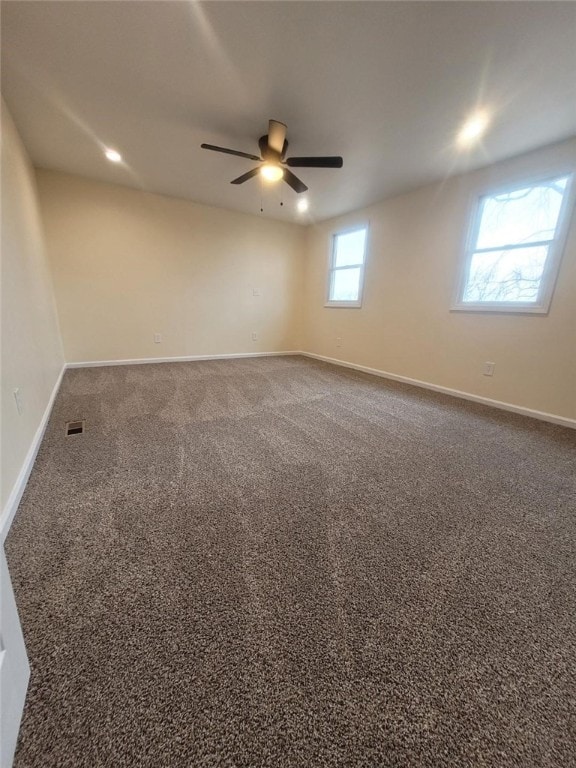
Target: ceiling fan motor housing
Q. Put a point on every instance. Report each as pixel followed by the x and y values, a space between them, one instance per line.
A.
pixel 268 154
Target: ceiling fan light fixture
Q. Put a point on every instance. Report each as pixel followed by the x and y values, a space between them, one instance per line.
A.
pixel 271 172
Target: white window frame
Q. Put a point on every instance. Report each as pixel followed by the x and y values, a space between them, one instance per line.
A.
pixel 555 252
pixel 332 268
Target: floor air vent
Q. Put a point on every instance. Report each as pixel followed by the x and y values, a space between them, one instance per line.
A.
pixel 74 428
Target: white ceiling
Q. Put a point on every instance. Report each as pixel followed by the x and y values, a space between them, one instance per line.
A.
pixel 384 84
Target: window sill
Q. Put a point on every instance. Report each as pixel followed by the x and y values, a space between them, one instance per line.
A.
pixel 502 308
pixel 344 304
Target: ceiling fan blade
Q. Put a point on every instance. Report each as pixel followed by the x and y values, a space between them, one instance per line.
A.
pixel 230 151
pixel 276 135
pixel 245 176
pixel 315 162
pixel 293 181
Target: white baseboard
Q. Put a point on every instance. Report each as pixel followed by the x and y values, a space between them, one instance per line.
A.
pixel 16 494
pixel 186 359
pixel 541 415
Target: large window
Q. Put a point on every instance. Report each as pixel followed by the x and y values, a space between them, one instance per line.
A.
pixel 346 276
pixel 514 247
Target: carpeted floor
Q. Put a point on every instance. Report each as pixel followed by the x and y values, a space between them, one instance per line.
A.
pixel 275 562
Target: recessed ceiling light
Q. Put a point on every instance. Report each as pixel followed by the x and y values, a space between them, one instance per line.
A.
pixel 473 129
pixel 113 156
pixel 302 205
pixel 271 172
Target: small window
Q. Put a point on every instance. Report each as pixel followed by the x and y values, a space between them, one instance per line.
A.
pixel 515 247
pixel 346 277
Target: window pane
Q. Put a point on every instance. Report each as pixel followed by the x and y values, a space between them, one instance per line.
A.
pixel 525 215
pixel 345 285
pixel 506 275
pixel 350 248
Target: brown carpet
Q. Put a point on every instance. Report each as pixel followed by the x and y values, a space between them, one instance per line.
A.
pixel 275 562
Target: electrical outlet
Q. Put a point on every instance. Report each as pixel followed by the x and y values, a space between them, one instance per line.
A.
pixel 18 399
pixel 339 341
pixel 254 336
pixel 489 369
pixel 255 292
pixel 157 338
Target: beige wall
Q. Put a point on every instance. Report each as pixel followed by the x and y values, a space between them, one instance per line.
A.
pixel 128 264
pixel 31 349
pixel 405 325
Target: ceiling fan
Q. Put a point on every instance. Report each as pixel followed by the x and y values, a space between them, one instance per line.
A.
pixel 273 165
